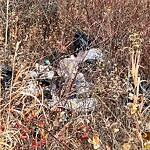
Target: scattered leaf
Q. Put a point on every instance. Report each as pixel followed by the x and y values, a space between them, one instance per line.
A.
pixel 147 147
pixel 95 141
pixel 126 146
pixel 133 107
pixel 139 122
pixel 116 130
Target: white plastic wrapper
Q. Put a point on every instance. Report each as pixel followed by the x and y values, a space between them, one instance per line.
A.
pixel 82 85
pixel 31 88
pixel 84 105
pixel 68 67
pixel 42 72
pixel 33 74
pixel 41 68
pixel 94 53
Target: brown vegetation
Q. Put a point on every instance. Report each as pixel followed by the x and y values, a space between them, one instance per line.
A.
pixel 34 30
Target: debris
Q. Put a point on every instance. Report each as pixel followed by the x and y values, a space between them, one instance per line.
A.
pixel 68 67
pixel 91 54
pixel 31 88
pixel 47 62
pixel 82 105
pixel 81 42
pixel 82 85
pixel 44 71
pixel 6 74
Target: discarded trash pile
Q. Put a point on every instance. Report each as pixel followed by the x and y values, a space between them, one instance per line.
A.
pixel 67 85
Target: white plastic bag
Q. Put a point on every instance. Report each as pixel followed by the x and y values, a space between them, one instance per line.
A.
pixel 94 53
pixel 68 67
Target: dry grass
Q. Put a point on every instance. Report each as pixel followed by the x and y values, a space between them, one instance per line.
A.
pixel 36 30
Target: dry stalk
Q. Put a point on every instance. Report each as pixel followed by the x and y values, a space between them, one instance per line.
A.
pixel 136 79
pixel 135 68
